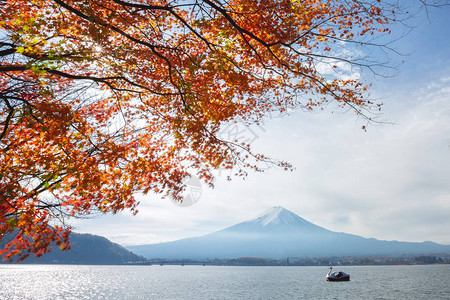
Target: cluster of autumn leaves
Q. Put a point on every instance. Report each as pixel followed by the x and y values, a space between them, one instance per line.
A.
pixel 103 99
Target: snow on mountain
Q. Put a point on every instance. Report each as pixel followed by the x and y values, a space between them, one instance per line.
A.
pixel 276 220
pixel 279 215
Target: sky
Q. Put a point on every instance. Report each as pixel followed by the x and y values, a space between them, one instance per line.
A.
pixel 391 182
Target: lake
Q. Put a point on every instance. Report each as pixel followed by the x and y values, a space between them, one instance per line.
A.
pixel 228 282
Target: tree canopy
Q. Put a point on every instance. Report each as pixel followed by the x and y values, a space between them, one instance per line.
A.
pixel 103 99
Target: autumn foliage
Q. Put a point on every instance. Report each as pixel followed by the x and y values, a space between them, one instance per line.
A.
pixel 103 99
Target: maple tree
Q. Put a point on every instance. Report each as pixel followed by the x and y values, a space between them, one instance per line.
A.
pixel 102 99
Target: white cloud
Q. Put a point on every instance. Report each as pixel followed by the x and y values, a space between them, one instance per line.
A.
pixel 389 183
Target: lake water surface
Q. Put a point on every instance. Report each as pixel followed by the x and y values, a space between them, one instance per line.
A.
pixel 214 282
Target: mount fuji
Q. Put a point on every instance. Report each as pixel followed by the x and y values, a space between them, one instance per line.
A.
pixel 280 233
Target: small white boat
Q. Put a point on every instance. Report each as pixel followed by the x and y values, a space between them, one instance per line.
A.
pixel 337 276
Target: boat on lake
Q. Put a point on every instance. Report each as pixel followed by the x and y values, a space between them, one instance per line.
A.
pixel 337 276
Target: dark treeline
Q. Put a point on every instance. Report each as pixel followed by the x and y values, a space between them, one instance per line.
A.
pixel 316 261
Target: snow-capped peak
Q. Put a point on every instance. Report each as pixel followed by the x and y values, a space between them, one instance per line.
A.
pixel 278 215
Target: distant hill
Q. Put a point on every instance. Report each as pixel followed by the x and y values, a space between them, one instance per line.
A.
pixel 87 249
pixel 280 233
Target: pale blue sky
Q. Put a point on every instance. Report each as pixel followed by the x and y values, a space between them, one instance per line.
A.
pixel 391 182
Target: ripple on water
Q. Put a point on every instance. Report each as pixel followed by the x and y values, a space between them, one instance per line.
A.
pixel 36 282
